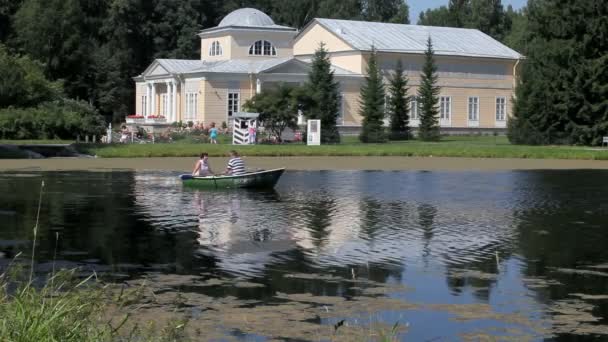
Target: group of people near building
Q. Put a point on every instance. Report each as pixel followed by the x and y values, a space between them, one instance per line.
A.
pixel 212 130
pixel 235 167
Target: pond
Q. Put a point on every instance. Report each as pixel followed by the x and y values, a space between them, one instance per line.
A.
pixel 513 255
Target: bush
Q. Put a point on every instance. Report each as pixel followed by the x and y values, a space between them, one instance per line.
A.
pixel 64 119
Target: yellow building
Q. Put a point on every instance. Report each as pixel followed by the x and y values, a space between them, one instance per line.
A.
pixel 247 51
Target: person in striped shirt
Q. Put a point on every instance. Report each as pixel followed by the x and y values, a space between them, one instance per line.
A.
pixel 236 166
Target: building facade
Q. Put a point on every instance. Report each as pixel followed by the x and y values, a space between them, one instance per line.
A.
pixel 247 52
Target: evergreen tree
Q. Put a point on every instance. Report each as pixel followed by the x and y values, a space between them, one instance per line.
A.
pixel 428 97
pixel 562 96
pixel 372 103
pixel 321 96
pixel 397 105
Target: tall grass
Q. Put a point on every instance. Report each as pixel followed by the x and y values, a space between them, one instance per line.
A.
pixel 63 309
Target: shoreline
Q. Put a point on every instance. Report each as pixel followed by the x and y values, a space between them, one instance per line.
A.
pixel 304 164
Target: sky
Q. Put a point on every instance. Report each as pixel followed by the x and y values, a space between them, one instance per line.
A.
pixel 417 6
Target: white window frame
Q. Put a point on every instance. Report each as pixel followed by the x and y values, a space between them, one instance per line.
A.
pixel 473 111
pixel 165 107
pixel 500 114
pixel 265 48
pixel 414 105
pixel 216 49
pixel 386 119
pixel 191 106
pixel 340 117
pixel 230 107
pixel 445 110
pixel 144 105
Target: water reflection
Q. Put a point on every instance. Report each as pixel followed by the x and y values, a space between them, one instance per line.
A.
pixel 458 235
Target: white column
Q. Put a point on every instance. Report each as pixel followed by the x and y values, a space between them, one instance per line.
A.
pixel 153 100
pixel 169 100
pixel 258 86
pixel 146 111
pixel 174 101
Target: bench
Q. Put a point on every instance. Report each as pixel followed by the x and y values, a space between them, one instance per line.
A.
pixel 605 141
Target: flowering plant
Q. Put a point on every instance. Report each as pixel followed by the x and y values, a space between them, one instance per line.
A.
pixel 156 117
pixel 135 116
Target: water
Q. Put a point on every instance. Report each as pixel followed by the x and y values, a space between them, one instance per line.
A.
pixel 475 254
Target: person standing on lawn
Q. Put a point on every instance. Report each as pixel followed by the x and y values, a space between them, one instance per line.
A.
pixel 213 133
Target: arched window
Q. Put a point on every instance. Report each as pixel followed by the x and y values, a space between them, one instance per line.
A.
pixel 215 49
pixel 262 48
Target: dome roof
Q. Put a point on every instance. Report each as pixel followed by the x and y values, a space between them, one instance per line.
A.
pixel 246 17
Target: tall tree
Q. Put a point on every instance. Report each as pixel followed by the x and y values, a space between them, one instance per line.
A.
pixel 372 103
pixel 396 11
pixel 344 9
pixel 428 97
pixel 58 34
pixel 397 105
pixel 175 25
pixel 515 37
pixel 322 96
pixel 563 93
pixel 294 13
pixel 7 11
pixel 487 16
pixel 435 17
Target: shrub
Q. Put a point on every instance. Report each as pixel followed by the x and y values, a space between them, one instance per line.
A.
pixel 65 119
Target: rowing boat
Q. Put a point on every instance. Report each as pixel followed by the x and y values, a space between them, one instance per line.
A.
pixel 265 179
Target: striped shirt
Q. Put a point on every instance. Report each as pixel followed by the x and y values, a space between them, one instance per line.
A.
pixel 236 166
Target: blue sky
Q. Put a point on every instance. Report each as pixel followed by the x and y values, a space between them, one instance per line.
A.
pixel 417 6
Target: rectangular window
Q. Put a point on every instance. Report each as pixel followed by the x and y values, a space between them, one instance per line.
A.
pixel 191 106
pixel 414 108
pixel 340 117
pixel 233 103
pixel 473 108
pixel 144 105
pixel 165 105
pixel 445 108
pixel 501 109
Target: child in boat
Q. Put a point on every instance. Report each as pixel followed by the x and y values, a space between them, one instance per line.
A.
pixel 202 168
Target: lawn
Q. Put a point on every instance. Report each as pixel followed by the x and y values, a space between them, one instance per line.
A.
pixel 454 146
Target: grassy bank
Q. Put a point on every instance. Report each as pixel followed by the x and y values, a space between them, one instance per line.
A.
pixel 475 147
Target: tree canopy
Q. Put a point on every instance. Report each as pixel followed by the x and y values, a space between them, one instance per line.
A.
pixel 278 109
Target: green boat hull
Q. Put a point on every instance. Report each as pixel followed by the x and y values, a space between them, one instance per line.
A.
pixel 254 180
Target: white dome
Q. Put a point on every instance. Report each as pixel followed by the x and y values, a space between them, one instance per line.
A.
pixel 246 17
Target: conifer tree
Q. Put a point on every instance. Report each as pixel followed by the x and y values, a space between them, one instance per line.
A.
pixel 397 105
pixel 562 96
pixel 428 97
pixel 372 103
pixel 321 96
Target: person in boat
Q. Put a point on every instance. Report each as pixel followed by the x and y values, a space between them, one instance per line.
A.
pixel 236 166
pixel 202 168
